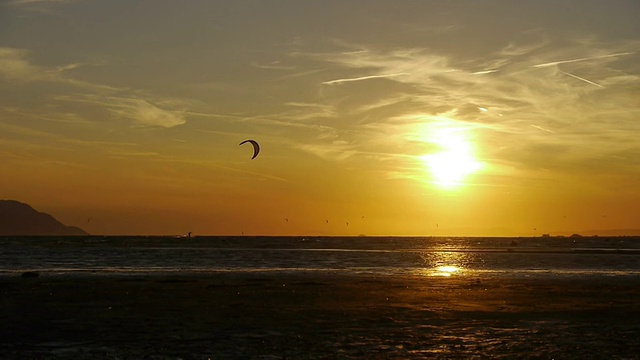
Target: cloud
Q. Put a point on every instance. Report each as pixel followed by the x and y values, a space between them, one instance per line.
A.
pixel 283 120
pixel 33 2
pixel 274 65
pixel 140 111
pixel 483 72
pixel 306 111
pixel 528 42
pixel 145 113
pixel 382 76
pixel 522 97
pixel 582 79
pixel 543 129
pixel 39 6
pixel 14 66
pixel 554 63
pixel 60 117
pixel 336 150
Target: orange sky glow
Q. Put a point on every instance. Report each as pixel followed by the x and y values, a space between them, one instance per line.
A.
pixel 430 118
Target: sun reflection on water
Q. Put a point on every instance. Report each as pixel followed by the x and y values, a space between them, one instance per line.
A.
pixel 445 263
pixel 447 270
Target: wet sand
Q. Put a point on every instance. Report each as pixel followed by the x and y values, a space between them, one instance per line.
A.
pixel 317 315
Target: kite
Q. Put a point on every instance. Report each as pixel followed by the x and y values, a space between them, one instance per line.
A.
pixel 256 147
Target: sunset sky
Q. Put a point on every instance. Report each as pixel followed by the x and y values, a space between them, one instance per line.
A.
pixel 396 117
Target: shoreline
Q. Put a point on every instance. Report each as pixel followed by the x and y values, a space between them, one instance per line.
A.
pixel 418 272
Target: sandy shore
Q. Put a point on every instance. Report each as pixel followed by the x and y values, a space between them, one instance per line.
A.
pixel 264 316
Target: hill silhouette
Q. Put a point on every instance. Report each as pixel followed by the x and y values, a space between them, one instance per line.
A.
pixel 18 218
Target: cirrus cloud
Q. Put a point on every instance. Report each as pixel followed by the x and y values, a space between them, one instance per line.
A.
pixel 145 113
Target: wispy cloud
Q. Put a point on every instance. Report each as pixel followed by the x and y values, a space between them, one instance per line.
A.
pixel 284 120
pixel 333 151
pixel 382 76
pixel 138 110
pixel 554 63
pixel 58 117
pixel 40 6
pixel 305 111
pixel 274 65
pixel 145 113
pixel 32 2
pixel 533 40
pixel 581 79
pixel 16 67
pixel 543 129
pixel 484 72
pixel 521 96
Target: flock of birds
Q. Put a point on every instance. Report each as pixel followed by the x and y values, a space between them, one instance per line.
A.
pixel 326 221
pixel 256 151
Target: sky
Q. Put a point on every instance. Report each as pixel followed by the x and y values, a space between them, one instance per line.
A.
pixel 430 118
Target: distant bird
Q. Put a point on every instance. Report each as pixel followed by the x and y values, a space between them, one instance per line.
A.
pixel 326 221
pixel 189 234
pixel 437 225
pixel 347 223
pixel 89 220
pixel 286 220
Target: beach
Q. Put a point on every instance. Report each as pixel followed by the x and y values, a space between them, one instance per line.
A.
pixel 277 315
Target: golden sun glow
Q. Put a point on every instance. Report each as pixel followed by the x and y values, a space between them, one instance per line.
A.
pixel 444 263
pixel 446 270
pixel 455 161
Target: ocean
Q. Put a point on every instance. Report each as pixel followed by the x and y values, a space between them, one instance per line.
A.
pixel 431 256
pixel 219 297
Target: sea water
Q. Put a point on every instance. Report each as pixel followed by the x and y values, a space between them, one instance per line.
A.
pixel 415 324
pixel 432 256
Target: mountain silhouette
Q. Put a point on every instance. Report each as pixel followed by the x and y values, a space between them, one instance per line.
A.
pixel 18 218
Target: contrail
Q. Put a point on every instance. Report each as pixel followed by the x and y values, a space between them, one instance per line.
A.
pixel 583 79
pixel 484 72
pixel 582 59
pixel 543 129
pixel 340 81
pixel 355 52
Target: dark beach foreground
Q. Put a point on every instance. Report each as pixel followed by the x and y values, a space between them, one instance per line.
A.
pixel 317 315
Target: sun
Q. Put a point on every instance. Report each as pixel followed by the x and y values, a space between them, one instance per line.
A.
pixel 455 159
